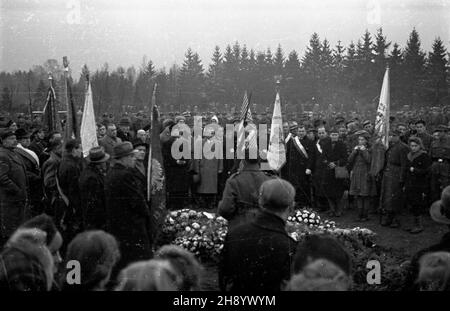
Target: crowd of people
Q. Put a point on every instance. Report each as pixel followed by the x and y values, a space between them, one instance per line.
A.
pixel 94 209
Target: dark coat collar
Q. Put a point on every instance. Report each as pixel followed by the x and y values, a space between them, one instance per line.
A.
pixel 269 221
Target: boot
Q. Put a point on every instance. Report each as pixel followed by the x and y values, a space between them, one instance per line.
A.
pixel 417 225
pixel 387 221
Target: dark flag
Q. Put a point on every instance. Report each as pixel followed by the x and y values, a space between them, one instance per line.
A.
pixel 50 113
pixel 71 127
pixel 156 182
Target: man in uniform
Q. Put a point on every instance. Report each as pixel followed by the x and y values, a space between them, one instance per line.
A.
pixel 393 179
pixel 440 169
pixel 240 197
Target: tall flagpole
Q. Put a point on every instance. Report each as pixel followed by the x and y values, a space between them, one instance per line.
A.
pixel 149 170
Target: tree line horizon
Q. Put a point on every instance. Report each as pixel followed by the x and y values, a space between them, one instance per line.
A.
pixel 344 78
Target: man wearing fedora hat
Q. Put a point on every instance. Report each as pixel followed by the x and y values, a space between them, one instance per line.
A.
pixel 92 189
pixel 31 162
pixel 127 211
pixel 13 186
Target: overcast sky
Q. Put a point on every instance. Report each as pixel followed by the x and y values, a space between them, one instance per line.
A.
pixel 122 32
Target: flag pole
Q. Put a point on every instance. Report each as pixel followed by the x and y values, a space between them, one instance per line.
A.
pixel 68 125
pixel 149 177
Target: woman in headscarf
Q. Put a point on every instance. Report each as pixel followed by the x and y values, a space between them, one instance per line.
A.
pixel 418 168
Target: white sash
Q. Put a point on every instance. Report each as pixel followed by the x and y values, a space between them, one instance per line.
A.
pixel 318 146
pixel 287 138
pixel 299 144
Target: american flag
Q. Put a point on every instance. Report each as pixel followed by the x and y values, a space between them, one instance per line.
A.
pixel 247 120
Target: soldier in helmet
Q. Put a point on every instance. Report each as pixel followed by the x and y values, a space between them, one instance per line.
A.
pixel 240 196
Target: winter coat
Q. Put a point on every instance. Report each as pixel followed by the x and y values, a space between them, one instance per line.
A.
pixel 417 182
pixel 325 182
pixel 257 256
pixel 240 196
pixel 92 190
pixel 127 214
pixel 361 182
pixel 13 192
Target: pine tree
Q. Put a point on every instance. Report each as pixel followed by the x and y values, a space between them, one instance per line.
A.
pixel 366 89
pixel 244 70
pixel 437 73
pixel 350 72
pixel 413 70
pixel 380 48
pixel 338 84
pixel 311 69
pixel 326 72
pixel 214 85
pixel 144 84
pixel 191 81
pixel 395 75
pixel 291 88
pixel 279 61
pixel 231 71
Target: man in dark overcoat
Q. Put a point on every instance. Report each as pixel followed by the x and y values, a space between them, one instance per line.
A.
pixel 13 187
pixel 31 161
pixel 128 215
pixel 392 197
pixel 92 190
pixel 69 172
pixel 298 166
pixel 330 153
pixel 257 256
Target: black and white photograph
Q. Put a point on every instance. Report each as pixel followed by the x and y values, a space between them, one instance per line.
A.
pixel 226 151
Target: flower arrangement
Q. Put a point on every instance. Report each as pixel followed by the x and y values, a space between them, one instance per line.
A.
pixel 201 233
pixel 204 233
pixel 311 219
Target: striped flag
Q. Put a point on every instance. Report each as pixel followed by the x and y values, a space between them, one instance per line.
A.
pixel 247 123
pixel 88 131
pixel 276 155
pixel 383 112
pixel 156 183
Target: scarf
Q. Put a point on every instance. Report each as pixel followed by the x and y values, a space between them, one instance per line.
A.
pixel 414 155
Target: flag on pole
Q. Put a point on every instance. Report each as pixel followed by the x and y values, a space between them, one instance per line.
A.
pixel 88 131
pixel 247 124
pixel 156 183
pixel 50 113
pixel 276 155
pixel 383 112
pixel 381 128
pixel 71 127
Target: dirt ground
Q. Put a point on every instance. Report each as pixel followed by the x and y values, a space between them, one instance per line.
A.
pixel 398 239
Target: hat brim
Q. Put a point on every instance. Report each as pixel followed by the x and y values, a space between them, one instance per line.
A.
pixel 436 215
pixel 123 154
pixel 23 136
pixel 104 159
